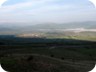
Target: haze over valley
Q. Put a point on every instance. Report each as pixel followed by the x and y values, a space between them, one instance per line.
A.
pixel 75 30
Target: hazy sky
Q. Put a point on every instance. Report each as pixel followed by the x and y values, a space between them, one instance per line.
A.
pixel 39 11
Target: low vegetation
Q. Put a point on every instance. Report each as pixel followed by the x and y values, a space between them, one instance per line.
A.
pixel 46 55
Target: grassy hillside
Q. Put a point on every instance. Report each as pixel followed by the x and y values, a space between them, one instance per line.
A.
pixel 47 55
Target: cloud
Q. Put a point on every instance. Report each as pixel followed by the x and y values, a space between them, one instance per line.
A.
pixel 44 10
pixel 2 1
pixel 15 6
pixel 35 4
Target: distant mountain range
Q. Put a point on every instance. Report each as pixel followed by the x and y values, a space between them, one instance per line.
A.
pixel 88 25
pixel 15 29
